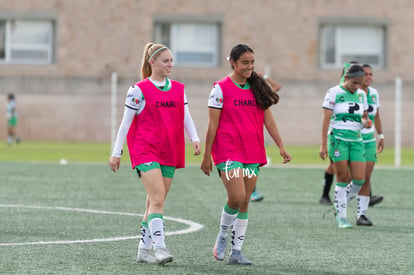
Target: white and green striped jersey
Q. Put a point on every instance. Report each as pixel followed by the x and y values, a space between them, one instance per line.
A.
pixel 11 109
pixel 368 134
pixel 347 110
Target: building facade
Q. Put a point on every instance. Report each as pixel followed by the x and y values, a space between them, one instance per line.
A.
pixel 58 56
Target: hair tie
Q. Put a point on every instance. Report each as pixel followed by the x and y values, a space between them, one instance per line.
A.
pixel 355 74
pixel 157 51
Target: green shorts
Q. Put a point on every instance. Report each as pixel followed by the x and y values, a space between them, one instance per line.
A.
pixel 339 150
pixel 371 151
pixel 166 171
pixel 244 169
pixel 12 121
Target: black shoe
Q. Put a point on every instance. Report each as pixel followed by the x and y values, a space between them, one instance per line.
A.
pixel 325 200
pixel 375 200
pixel 363 220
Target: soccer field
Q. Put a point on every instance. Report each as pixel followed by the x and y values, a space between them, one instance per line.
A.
pixel 84 219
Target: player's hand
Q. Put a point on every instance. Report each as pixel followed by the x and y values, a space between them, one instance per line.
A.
pixel 206 165
pixel 114 163
pixel 323 152
pixel 366 123
pixel 380 146
pixel 285 155
pixel 196 148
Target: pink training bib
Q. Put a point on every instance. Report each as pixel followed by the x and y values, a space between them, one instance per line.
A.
pixel 157 133
pixel 240 132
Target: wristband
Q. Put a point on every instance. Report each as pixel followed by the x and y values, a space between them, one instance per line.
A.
pixel 381 136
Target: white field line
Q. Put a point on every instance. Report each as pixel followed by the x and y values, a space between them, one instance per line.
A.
pixel 192 226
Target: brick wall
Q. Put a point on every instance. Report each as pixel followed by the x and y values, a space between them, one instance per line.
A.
pixel 70 100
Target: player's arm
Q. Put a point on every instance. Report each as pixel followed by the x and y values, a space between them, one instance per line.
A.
pixel 215 104
pixel 273 130
pixel 115 159
pixel 213 122
pixel 190 128
pixel 326 118
pixel 274 85
pixel 378 127
pixel 134 104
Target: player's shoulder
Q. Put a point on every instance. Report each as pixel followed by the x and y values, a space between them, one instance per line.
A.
pixel 360 91
pixel 216 90
pixel 373 90
pixel 134 89
pixel 336 90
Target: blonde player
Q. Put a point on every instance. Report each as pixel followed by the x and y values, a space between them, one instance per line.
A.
pixel 156 114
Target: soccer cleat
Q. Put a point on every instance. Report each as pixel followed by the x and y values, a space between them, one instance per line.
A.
pixel 162 256
pixel 219 250
pixel 343 223
pixel 363 220
pixel 325 200
pixel 236 257
pixel 255 196
pixel 375 200
pixel 145 256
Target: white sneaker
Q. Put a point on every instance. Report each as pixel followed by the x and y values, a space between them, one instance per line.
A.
pixel 236 257
pixel 162 256
pixel 145 256
pixel 219 250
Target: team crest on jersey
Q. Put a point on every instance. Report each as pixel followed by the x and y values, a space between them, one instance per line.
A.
pixel 361 98
pixel 374 99
pixel 330 103
pixel 337 154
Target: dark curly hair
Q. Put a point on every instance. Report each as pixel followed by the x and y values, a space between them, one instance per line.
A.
pixel 263 94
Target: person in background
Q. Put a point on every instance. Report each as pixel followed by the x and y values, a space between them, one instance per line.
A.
pixel 11 113
pixel 155 116
pixel 238 109
pixel 345 113
pixel 371 148
pixel 329 172
pixel 275 86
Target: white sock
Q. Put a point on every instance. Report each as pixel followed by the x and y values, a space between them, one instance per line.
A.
pixel 238 233
pixel 363 202
pixel 156 226
pixel 145 241
pixel 340 202
pixel 352 191
pixel 226 222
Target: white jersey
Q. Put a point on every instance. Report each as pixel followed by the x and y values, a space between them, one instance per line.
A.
pixel 215 99
pixel 368 134
pixel 135 99
pixel 347 110
pixel 11 109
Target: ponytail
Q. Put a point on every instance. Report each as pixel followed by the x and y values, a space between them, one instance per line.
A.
pixel 262 92
pixel 151 51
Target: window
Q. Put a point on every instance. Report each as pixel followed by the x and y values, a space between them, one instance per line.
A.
pixel 340 43
pixel 26 41
pixel 192 44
